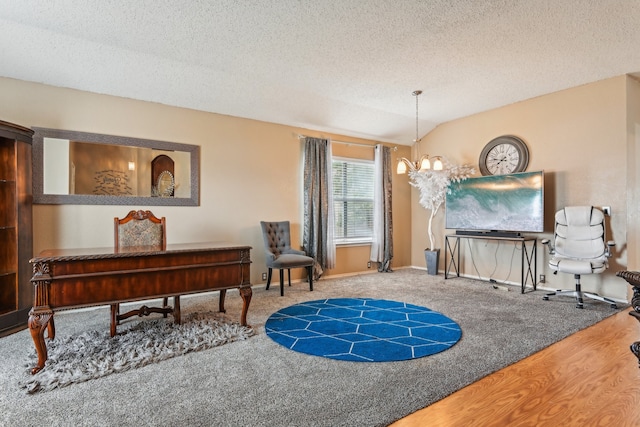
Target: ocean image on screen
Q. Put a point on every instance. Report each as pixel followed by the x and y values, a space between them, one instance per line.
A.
pixel 512 202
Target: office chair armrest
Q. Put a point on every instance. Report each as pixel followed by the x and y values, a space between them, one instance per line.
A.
pixel 548 243
pixel 608 251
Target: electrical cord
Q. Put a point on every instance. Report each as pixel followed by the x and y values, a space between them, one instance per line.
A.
pixel 515 247
pixel 495 266
pixel 473 261
pixel 495 255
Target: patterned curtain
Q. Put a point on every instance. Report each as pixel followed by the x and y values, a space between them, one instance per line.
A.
pixel 382 245
pixel 317 238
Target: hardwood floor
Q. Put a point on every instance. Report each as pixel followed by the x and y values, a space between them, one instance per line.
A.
pixel 588 379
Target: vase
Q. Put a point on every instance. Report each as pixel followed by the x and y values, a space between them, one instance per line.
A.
pixel 433 260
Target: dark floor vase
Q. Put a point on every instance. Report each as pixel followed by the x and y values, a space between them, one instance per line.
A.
pixel 433 259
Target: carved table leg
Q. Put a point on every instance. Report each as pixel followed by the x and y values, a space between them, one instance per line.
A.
pixel 245 293
pixel 38 322
pixel 223 294
pixel 41 315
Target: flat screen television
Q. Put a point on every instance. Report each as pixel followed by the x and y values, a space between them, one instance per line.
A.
pixel 497 205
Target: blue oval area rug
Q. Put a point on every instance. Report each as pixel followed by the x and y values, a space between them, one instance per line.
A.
pixel 362 329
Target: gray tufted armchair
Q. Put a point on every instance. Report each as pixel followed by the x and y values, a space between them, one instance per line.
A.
pixel 280 255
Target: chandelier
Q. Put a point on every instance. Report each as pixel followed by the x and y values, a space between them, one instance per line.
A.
pixel 424 162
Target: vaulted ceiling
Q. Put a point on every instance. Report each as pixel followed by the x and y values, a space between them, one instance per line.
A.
pixel 338 66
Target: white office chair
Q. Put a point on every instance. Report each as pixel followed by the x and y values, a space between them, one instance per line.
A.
pixel 579 248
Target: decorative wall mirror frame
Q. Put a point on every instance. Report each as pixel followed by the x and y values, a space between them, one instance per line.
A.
pixel 118 179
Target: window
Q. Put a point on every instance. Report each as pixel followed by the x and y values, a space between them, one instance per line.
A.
pixel 353 200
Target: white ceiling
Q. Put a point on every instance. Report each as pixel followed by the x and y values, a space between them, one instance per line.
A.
pixel 338 66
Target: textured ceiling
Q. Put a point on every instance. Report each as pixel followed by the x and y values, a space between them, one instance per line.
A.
pixel 339 66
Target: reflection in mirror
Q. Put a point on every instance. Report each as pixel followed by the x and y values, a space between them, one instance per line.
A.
pixel 84 168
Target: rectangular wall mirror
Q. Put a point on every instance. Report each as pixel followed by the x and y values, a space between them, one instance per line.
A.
pixel 83 168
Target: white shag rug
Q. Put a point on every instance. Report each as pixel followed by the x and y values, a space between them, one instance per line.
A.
pixel 95 354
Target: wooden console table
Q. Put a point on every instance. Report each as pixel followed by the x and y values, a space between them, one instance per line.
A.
pixel 633 278
pixel 528 260
pixel 73 278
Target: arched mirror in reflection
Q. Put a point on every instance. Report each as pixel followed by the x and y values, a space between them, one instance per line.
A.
pixel 85 168
pixel 163 183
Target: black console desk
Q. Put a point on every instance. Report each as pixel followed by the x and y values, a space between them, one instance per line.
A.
pixel 528 262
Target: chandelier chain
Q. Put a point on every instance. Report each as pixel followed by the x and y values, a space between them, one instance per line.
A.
pixel 423 163
pixel 417 134
pixel 417 94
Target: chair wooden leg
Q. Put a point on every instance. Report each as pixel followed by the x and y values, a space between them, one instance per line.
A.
pixel 281 282
pixel 145 311
pixel 269 278
pixel 310 274
pixel 176 310
pixel 114 319
pixel 223 294
pixel 117 307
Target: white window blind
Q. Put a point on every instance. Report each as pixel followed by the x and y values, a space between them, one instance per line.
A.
pixel 353 200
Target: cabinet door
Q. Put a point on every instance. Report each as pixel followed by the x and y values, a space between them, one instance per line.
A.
pixel 16 235
pixel 8 235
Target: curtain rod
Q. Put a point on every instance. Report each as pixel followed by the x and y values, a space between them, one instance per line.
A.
pixel 300 136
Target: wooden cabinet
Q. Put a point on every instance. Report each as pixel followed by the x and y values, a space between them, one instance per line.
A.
pixel 16 233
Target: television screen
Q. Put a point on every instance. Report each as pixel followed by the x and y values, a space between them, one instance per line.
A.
pixel 508 203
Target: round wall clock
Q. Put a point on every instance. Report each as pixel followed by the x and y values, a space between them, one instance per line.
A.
pixel 503 155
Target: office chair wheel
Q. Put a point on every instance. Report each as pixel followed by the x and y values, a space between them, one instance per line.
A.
pixel 545 298
pixel 613 306
pixel 579 305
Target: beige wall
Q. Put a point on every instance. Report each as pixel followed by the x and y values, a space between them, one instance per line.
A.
pixel 250 171
pixel 633 174
pixel 585 139
pixel 580 137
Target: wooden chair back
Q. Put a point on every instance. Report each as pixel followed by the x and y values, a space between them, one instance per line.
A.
pixel 140 228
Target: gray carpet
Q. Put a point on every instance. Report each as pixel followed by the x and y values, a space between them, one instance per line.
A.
pixel 257 382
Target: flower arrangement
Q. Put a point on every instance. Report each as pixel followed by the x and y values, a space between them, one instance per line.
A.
pixel 434 185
